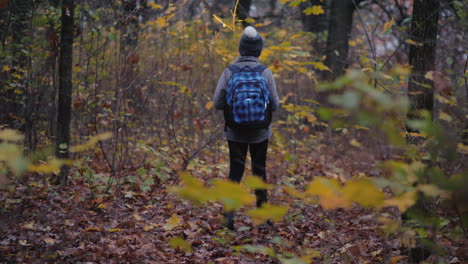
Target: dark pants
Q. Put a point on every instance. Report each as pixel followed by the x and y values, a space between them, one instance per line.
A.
pixel 237 156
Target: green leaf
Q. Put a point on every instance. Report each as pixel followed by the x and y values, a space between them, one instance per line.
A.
pixel 142 172
pixel 179 242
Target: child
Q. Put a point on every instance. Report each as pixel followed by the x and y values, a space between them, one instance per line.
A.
pixel 241 139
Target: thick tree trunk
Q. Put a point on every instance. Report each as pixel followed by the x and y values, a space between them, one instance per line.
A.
pixel 339 31
pixel 242 11
pixel 65 88
pixel 424 28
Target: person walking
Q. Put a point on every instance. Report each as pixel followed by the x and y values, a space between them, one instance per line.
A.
pixel 246 92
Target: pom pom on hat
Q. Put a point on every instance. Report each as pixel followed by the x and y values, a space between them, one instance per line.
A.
pixel 250 32
pixel 251 43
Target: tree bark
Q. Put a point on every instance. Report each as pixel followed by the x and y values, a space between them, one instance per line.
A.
pixel 242 11
pixel 65 88
pixel 339 31
pixel 130 56
pixel 424 28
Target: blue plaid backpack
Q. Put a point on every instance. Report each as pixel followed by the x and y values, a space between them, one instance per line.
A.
pixel 248 98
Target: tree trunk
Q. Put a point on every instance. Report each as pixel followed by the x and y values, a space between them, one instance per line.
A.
pixel 313 23
pixel 339 31
pixel 65 88
pixel 4 17
pixel 130 56
pixel 424 27
pixel 242 11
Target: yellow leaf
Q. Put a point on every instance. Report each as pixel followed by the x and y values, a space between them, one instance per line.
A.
pixel 92 229
pixel 388 25
pixel 91 142
pixel 52 166
pixel 113 230
pixel 154 5
pixel 267 211
pixel 320 66
pixel 137 217
pixel 249 20
pixel 312 119
pixel 413 134
pixel 285 98
pixel 216 18
pixel 354 143
pixel 24 243
pixel 149 227
pixel 16 91
pixel 433 191
pixel 397 259
pixel 6 68
pixel 257 183
pixel 178 242
pixel 49 241
pixel 462 148
pixel 403 202
pixel 10 135
pixel 30 226
pixel 294 193
pixel 161 22
pixel 192 189
pixel 172 222
pixel 232 195
pixel 352 43
pixel 209 105
pixel 102 206
pixel 17 76
pixel 361 127
pixel 444 116
pixel 429 75
pixel 290 62
pixel 363 192
pixel 328 190
pixel 314 10
pixel 412 42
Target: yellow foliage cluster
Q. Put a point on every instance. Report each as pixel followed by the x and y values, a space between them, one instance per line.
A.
pixel 12 158
pixel 230 194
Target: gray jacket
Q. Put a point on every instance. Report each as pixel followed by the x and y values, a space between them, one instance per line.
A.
pixel 251 135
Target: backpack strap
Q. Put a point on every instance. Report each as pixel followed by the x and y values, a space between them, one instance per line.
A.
pixel 260 68
pixel 234 69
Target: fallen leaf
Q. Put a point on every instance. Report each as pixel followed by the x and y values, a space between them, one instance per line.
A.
pixel 172 222
pixel 49 241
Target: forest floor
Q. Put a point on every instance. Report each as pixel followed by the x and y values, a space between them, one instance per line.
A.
pixel 41 224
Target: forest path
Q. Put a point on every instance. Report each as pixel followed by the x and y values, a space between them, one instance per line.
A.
pixel 41 224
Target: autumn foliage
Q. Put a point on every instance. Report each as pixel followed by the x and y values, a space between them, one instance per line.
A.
pixel 352 179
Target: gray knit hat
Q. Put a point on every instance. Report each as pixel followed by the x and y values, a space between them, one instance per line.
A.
pixel 251 43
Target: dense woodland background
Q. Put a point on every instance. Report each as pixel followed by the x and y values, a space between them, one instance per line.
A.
pixel 111 151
